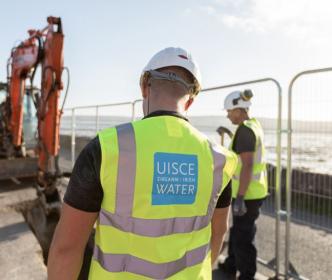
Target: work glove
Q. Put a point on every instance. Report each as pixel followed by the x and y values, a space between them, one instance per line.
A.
pixel 239 207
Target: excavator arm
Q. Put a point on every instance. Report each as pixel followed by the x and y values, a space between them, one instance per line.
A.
pixel 43 48
pixel 48 110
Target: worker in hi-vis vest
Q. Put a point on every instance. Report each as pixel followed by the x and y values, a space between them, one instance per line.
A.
pixel 249 185
pixel 156 187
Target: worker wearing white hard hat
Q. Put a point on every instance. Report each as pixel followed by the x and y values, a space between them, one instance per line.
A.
pixel 181 73
pixel 159 192
pixel 249 185
pixel 238 99
pixel 177 57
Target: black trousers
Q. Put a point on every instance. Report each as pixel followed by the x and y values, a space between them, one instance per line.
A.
pixel 242 253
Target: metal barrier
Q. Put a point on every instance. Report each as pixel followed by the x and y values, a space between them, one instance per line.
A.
pixel 309 172
pixel 274 187
pixel 87 126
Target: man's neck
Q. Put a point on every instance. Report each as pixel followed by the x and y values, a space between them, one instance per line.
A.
pixel 165 107
pixel 165 113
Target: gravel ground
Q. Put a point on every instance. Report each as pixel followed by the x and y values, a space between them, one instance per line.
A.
pixel 20 253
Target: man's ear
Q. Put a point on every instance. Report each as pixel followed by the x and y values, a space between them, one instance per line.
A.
pixel 143 91
pixel 188 103
pixel 145 87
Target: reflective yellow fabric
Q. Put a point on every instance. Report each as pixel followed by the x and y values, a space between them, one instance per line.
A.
pixel 199 272
pixel 197 145
pixel 156 249
pixel 258 187
pixel 109 167
pixel 164 134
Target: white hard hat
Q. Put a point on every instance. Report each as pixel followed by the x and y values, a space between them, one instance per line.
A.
pixel 174 57
pixel 238 99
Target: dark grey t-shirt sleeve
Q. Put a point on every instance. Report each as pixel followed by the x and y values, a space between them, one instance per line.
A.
pixel 245 140
pixel 225 199
pixel 84 191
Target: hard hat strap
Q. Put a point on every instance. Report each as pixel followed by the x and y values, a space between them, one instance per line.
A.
pixel 156 75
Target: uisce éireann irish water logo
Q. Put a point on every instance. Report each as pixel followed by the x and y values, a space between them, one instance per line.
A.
pixel 174 179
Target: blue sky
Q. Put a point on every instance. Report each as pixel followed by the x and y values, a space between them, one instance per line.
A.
pixel 107 43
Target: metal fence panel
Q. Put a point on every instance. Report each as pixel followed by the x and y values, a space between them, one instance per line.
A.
pixel 309 175
pixel 86 121
pixel 207 115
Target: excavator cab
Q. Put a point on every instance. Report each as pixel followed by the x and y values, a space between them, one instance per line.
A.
pixel 11 167
pixel 30 121
pixel 2 95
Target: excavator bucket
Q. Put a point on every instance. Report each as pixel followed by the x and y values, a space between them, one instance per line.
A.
pixel 18 168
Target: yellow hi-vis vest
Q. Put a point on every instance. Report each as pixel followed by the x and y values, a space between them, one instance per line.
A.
pixel 258 186
pixel 161 180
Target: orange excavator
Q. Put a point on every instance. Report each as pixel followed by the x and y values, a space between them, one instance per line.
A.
pixel 43 48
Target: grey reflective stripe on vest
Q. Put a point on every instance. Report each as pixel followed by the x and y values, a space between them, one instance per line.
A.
pixel 259 151
pixel 255 177
pixel 219 161
pixel 153 227
pixel 132 264
pixel 126 169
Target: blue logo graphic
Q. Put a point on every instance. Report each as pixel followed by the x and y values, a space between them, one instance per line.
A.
pixel 174 179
